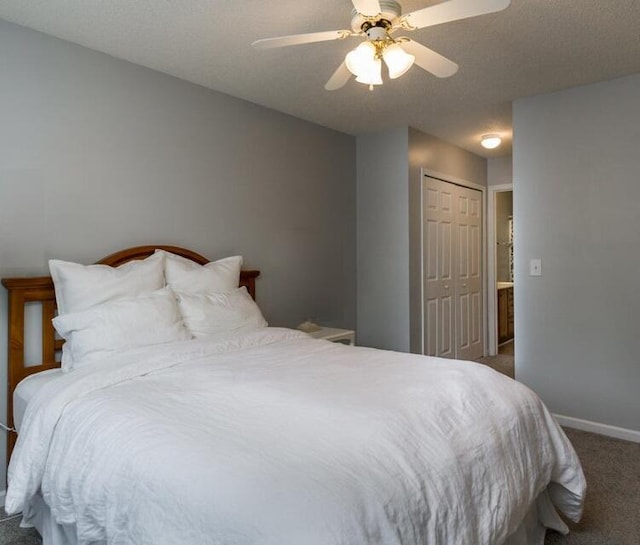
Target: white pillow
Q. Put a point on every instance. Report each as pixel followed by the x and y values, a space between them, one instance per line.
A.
pixel 216 315
pixel 95 333
pixel 79 287
pixel 186 276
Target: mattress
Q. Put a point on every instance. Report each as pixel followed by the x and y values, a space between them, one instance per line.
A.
pixel 27 389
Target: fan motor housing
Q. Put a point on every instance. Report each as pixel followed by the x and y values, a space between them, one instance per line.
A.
pixel 390 11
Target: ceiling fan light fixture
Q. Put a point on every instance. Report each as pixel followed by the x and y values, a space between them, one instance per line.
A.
pixel 398 61
pixel 359 61
pixel 372 75
pixel 490 141
pixel 377 20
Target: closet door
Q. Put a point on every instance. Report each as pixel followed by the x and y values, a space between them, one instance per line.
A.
pixel 468 274
pixel 452 269
pixel 438 268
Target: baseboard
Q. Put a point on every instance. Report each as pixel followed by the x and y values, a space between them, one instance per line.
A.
pixel 3 495
pixel 597 427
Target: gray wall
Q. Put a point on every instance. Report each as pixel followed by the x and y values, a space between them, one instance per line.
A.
pixel 500 170
pixel 97 155
pixel 383 240
pixel 577 206
pixel 389 229
pixel 429 152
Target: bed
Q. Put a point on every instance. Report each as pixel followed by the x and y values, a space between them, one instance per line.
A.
pixel 262 435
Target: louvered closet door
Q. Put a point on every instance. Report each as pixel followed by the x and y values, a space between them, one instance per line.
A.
pixel 452 268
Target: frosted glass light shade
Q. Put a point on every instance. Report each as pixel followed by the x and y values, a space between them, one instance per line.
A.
pixel 490 141
pixel 398 61
pixel 373 73
pixel 360 59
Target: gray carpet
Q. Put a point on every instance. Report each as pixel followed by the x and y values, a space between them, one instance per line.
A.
pixel 503 362
pixel 12 534
pixel 612 508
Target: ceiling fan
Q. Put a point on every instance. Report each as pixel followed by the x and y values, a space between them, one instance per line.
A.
pixel 377 21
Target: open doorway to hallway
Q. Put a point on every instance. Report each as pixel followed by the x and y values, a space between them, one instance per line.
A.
pixel 500 271
pixel 500 282
pixel 504 271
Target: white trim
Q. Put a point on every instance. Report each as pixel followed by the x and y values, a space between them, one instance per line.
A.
pixel 597 427
pixel 492 303
pixel 483 190
pixel 423 173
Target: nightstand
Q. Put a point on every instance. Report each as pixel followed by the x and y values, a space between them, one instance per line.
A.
pixel 345 336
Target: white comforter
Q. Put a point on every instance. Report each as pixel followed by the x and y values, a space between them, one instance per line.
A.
pixel 277 439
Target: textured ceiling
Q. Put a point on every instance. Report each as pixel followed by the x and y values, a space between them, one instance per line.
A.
pixel 532 47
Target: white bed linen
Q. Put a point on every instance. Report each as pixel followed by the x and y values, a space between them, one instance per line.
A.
pixel 531 531
pixel 27 389
pixel 288 440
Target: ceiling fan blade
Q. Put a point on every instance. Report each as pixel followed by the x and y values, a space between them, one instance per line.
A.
pixel 453 10
pixel 297 39
pixel 367 7
pixel 429 60
pixel 339 78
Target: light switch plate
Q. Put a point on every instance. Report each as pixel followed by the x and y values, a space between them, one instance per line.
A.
pixel 535 267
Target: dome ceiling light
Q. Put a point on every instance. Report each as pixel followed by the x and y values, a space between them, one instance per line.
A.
pixel 490 141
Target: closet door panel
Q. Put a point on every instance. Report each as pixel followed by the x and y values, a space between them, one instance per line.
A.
pixel 439 269
pixel 446 348
pixel 469 343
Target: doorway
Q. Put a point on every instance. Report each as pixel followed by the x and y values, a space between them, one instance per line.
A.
pixel 500 270
pixel 453 279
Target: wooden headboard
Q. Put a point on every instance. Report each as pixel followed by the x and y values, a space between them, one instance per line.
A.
pixel 40 289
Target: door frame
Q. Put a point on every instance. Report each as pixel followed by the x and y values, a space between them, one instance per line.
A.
pixel 471 185
pixel 492 309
